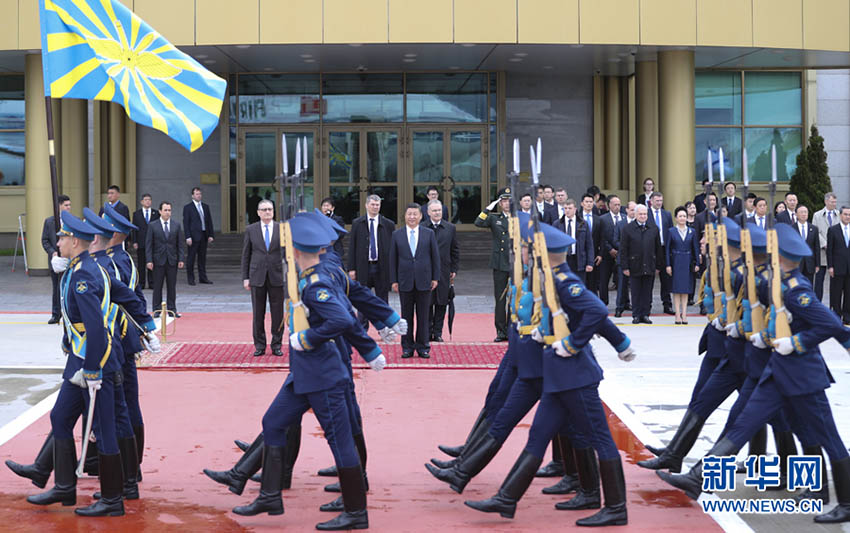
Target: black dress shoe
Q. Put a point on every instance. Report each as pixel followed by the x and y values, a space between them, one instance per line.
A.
pixel 53 320
pixel 500 338
pixel 618 313
pixel 407 354
pixel 328 472
pixel 425 354
pixel 437 338
pixel 157 314
pixel 191 282
pixel 636 320
pixel 335 506
pixel 646 320
pixel 628 307
pixel 206 282
pixel 277 352
pixel 669 311
pixel 176 314
pixel 260 351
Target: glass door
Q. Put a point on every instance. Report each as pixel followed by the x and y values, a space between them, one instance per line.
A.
pixel 362 161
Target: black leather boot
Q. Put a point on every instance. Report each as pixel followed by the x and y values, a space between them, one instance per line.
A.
pixel 293 446
pixel 439 463
pixel 473 462
pixel 841 478
pixel 684 439
pixel 247 465
pixel 139 433
pixel 691 482
pixel 587 496
pixel 455 451
pixel 91 465
pixel 269 500
pixel 241 444
pixel 614 486
pixel 512 489
pixel 785 446
pixel 482 428
pixel 823 493
pixel 130 464
pixel 569 483
pixel 354 515
pixel 111 489
pixel 64 489
pixel 328 472
pixel 757 446
pixel 555 468
pixel 39 471
pixel 655 451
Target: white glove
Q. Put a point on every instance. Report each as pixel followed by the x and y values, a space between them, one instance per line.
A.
pixel 77 379
pixel 732 331
pixel 400 327
pixel 59 264
pixel 537 335
pixel 151 343
pixel 627 355
pixel 378 363
pixel 387 335
pixel 757 341
pixel 783 346
pixel 717 324
pixel 93 384
pixel 295 342
pixel 492 204
pixel 561 350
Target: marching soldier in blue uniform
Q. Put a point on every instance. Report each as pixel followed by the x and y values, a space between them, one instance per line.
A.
pixel 318 379
pixel 795 376
pixel 570 399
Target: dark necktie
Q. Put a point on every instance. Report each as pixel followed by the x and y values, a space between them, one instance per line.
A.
pixel 147 216
pixel 570 233
pixel 167 232
pixel 829 217
pixel 373 245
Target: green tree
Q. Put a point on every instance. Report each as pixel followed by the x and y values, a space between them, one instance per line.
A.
pixel 810 182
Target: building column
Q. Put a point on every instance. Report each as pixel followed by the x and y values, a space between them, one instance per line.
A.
pixel 646 81
pixel 613 144
pixel 39 193
pixel 676 126
pixel 75 153
pixel 117 144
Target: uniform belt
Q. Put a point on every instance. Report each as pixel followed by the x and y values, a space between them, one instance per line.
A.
pixel 526 330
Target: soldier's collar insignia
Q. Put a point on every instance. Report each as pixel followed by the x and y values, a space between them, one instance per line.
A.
pixel 575 289
pixel 804 300
pixel 82 287
pixel 323 295
pixel 305 273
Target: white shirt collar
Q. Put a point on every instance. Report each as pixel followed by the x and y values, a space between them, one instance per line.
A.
pixel 409 229
pixel 163 221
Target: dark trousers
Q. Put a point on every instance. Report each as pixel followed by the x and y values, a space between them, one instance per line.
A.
pixel 722 383
pixel 500 387
pixel 580 411
pixel 779 421
pixel 839 296
pixel 607 268
pixel 666 287
pixel 706 369
pixel 145 277
pixel 641 288
pixel 330 408
pixel 123 425
pixel 259 296
pixel 56 311
pixel 438 316
pixel 521 398
pixel 198 250
pixel 591 280
pixel 131 391
pixel 572 262
pixel 377 281
pixel 73 401
pixel 622 290
pixel 500 320
pixel 167 274
pixel 420 303
pixel 819 277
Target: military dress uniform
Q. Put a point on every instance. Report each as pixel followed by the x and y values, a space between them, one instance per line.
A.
pixel 500 262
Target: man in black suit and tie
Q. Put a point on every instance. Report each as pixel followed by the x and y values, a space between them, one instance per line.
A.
pixel 809 266
pixel 789 216
pixel 663 220
pixel 838 263
pixel 623 299
pixel 198 224
pixel 433 194
pixel 113 198
pixel 641 257
pixel 414 273
pixel 733 203
pixel 262 274
pixel 589 217
pixel 760 213
pixel 369 248
pixel 749 212
pixel 328 207
pixel 142 217
pixel 446 234
pixel 699 200
pixel 548 212
pixel 49 243
pixel 607 224
pixel 164 246
pixel 580 255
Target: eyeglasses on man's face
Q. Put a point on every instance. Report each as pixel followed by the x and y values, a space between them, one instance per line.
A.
pixel 265 209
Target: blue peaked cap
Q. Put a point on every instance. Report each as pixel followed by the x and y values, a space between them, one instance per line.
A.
pixel 74 227
pixel 101 226
pixel 791 243
pixel 758 237
pixel 117 219
pixel 733 232
pixel 308 234
pixel 526 227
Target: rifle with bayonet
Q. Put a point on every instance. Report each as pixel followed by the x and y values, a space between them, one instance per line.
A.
pixel 292 300
pixel 514 229
pixel 730 299
pixel 752 314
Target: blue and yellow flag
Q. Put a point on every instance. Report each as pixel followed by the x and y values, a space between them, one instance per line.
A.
pixel 100 50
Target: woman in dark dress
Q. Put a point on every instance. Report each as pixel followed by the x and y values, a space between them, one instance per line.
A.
pixel 682 254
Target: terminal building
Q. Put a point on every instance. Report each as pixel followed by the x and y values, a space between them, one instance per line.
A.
pixel 394 96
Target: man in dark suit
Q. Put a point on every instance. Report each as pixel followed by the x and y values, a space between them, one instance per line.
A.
pixel 589 217
pixel 414 273
pixel 446 234
pixel 789 216
pixel 641 257
pixel 369 249
pixel 607 224
pixel 663 220
pixel 164 246
pixel 262 274
pixel 809 266
pixel 699 200
pixel 548 212
pixel 252 204
pixel 708 215
pixel 580 255
pixel 142 217
pixel 328 207
pixel 623 299
pixel 113 198
pixel 733 203
pixel 198 223
pixel 748 214
pixel 838 263
pixel 49 243
pixel 433 194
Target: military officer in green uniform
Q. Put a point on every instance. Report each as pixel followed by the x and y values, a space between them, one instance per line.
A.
pixel 495 217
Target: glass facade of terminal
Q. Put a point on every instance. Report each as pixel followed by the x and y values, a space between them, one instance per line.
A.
pixel 12 116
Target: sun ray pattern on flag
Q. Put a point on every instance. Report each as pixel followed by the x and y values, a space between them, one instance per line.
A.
pixel 100 50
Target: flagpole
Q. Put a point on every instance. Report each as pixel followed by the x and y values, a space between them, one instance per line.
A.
pixel 54 173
